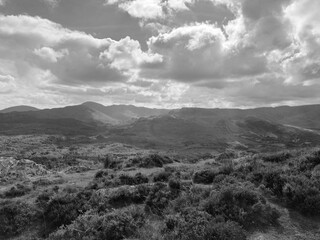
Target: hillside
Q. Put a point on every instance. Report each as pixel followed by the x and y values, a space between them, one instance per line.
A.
pixel 18 109
pixel 214 133
pixel 261 128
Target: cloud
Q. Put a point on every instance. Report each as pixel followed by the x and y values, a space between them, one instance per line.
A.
pixel 190 53
pixel 50 55
pixel 202 52
pixel 7 84
pixel 72 57
pixel 150 9
pixel 127 54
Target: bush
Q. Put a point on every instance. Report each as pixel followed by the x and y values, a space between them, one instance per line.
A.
pixel 15 217
pixel 174 185
pixel 190 198
pixel 204 176
pixel 162 176
pixel 115 225
pixel 124 196
pixel 198 225
pixel 276 157
pixel 158 198
pixel 309 161
pixel 62 209
pixel 17 191
pixel 129 180
pixel 302 194
pixel 243 206
pixel 150 161
pixel 110 163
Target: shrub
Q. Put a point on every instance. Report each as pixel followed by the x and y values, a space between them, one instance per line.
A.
pixel 44 198
pixel 150 161
pixel 276 157
pixel 309 161
pixel 241 205
pixel 303 194
pixel 17 191
pixel 132 180
pixel 190 198
pixel 158 198
pixel 115 225
pixel 198 225
pixel 62 209
pixel 204 176
pixel 162 176
pixel 124 196
pixel 174 184
pixel 15 217
pixel 110 163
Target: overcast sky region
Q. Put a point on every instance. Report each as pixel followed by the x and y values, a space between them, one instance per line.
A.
pixel 160 53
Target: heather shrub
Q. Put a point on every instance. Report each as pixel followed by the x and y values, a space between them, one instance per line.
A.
pixel 162 176
pixel 149 161
pixel 116 225
pixel 276 157
pixel 110 163
pixel 199 225
pixel 190 198
pixel 63 208
pixel 158 198
pixel 241 205
pixel 204 176
pixel 124 179
pixel 125 195
pixel 15 217
pixel 17 191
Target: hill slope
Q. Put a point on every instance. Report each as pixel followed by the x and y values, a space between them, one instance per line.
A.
pixel 18 109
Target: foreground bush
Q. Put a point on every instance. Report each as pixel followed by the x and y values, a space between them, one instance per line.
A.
pixel 241 205
pixel 115 225
pixel 159 198
pixel 62 209
pixel 15 217
pixel 198 225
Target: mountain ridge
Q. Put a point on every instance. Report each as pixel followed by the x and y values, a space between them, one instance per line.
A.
pixel 271 127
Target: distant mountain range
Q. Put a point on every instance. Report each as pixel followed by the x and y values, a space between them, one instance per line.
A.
pixel 185 128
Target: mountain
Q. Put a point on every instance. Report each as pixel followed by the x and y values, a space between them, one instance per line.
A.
pixel 247 133
pixel 21 108
pixel 121 114
pixel 271 128
pixel 86 118
pixel 300 116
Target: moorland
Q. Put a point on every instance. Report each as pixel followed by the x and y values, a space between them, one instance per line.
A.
pixel 122 172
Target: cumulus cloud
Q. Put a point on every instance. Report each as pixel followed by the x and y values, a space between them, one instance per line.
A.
pixel 198 53
pixel 71 56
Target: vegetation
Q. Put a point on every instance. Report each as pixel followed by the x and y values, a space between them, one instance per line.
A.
pixel 224 197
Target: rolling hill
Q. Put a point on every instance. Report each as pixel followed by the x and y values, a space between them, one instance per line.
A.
pixel 21 108
pixel 271 128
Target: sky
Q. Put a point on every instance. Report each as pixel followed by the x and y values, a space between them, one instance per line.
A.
pixel 160 53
